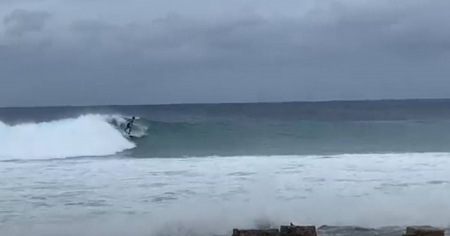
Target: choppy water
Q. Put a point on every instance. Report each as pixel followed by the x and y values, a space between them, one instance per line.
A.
pixel 72 172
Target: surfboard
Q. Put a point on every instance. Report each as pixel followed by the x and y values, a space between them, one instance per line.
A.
pixel 127 134
pixel 130 135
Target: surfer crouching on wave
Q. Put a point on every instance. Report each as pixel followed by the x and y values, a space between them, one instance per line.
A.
pixel 129 125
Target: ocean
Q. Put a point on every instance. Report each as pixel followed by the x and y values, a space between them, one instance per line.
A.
pixel 204 169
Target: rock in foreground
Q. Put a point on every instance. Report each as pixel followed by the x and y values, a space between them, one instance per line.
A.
pixel 284 231
pixel 256 232
pixel 423 231
pixel 342 231
pixel 298 231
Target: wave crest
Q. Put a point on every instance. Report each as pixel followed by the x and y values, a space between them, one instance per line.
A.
pixel 86 135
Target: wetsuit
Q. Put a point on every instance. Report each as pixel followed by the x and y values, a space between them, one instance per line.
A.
pixel 129 125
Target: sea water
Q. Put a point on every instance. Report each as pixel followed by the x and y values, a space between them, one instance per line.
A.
pixel 206 169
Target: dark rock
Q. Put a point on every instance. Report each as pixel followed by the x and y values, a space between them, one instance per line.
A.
pixel 256 232
pixel 423 231
pixel 298 231
pixel 362 229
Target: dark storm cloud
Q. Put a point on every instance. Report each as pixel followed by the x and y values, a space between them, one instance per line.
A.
pixel 328 50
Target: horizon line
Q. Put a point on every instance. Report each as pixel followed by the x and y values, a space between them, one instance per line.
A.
pixel 229 103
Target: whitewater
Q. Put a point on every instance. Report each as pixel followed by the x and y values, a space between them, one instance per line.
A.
pixel 212 195
pixel 86 135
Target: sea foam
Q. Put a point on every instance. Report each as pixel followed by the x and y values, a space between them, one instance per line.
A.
pixel 86 135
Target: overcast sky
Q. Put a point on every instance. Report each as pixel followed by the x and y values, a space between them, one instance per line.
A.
pixel 78 52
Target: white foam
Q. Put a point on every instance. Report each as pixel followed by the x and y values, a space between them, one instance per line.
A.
pixel 86 135
pixel 211 196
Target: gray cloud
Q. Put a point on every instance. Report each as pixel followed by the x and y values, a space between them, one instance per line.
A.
pixel 315 50
pixel 90 26
pixel 21 21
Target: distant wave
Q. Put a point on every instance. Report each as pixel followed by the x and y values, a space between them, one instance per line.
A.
pixel 86 135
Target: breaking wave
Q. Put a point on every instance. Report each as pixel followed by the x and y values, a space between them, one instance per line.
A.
pixel 94 134
pixel 86 135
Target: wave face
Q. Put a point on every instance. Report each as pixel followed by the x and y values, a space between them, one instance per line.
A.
pixel 86 135
pixel 272 138
pixel 226 130
pixel 102 135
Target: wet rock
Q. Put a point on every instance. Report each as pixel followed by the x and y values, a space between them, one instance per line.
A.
pixel 423 231
pixel 298 230
pixel 256 232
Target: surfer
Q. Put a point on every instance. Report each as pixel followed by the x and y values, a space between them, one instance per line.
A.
pixel 129 125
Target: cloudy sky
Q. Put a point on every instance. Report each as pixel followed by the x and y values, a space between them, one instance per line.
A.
pixel 77 52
